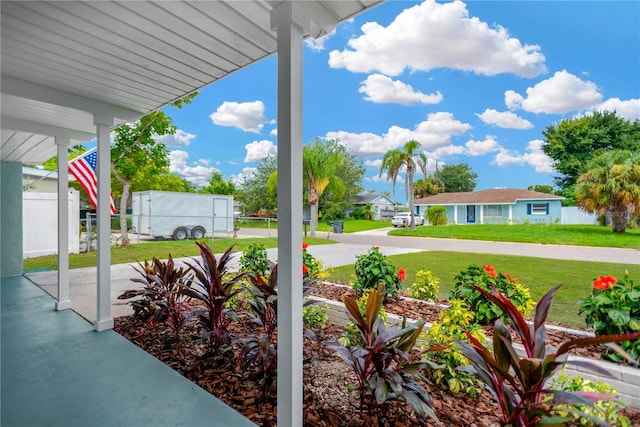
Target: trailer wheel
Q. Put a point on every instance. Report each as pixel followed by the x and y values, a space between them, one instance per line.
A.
pixel 180 233
pixel 198 233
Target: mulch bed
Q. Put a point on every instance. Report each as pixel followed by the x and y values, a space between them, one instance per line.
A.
pixel 327 401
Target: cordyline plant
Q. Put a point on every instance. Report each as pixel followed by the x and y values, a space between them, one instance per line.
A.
pixel 161 298
pixel 381 364
pixel 518 382
pixel 214 290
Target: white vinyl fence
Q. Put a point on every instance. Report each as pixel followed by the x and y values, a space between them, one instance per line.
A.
pixel 575 215
pixel 40 223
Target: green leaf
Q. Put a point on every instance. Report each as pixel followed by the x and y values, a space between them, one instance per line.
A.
pixel 619 317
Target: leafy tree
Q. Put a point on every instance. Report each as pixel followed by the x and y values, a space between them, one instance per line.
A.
pixel 427 187
pixel 255 193
pixel 573 142
pixel 134 145
pixel 321 161
pixel 547 189
pixel 217 185
pixel 407 158
pixel 458 178
pixel 611 185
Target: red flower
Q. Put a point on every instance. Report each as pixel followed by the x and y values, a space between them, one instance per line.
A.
pixel 490 270
pixel 604 282
pixel 377 248
pixel 402 274
pixel 510 278
pixel 305 245
pixel 304 269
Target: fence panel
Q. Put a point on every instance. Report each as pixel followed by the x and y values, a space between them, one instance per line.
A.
pixel 575 215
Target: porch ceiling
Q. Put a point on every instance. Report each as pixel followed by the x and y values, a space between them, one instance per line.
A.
pixel 63 62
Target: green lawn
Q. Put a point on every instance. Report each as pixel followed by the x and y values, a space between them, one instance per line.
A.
pixel 349 225
pixel 147 251
pixel 580 235
pixel 538 274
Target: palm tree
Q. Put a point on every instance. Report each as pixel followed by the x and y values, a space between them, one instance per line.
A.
pixel 320 164
pixel 611 185
pixel 408 158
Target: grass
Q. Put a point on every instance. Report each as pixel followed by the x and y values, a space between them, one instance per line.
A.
pixel 146 251
pixel 538 274
pixel 578 235
pixel 349 225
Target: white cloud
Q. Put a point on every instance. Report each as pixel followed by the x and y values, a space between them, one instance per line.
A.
pixel 317 45
pixel 373 163
pixel 534 156
pixel 178 139
pixel 246 173
pixel 432 133
pixel 559 94
pixel 504 119
pixel 629 109
pixel 258 150
pixel 512 100
pixel 179 164
pixel 248 116
pixel 433 35
pixel 480 148
pixel 383 90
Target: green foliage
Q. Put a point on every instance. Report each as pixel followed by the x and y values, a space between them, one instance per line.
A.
pixel 311 266
pixel 453 323
pixel 466 287
pixel 614 308
pixel 372 269
pixel 214 290
pixel 254 259
pixel 217 185
pixel 437 215
pixel 518 382
pixel 315 316
pixel 573 142
pixel 161 299
pixel 547 189
pixel 254 193
pixel 351 337
pixel 115 223
pixel 458 178
pixel 382 364
pixel 426 286
pixel 605 411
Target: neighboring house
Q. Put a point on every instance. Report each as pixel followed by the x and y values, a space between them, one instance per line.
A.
pixel 498 206
pixel 382 206
pixel 39 180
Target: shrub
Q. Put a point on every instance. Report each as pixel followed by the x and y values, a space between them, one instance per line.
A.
pixel 372 269
pixel 518 382
pixel 382 364
pixel 254 259
pixel 605 411
pixel 452 325
pixel 314 316
pixel 437 215
pixel 614 308
pixel 310 265
pixel 115 223
pixel 426 286
pixel 485 278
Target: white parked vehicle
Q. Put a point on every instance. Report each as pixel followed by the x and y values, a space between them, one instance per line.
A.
pixel 403 219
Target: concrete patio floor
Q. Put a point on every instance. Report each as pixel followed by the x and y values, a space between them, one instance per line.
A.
pixel 57 371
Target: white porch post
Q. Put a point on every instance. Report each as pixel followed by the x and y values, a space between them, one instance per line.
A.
pixel 455 214
pixel 104 320
pixel 290 399
pixel 510 214
pixel 63 302
pixel 481 207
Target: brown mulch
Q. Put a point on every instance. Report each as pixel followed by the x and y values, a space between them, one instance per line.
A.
pixel 327 401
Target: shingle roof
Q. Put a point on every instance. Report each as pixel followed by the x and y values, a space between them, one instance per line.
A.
pixel 366 198
pixel 502 195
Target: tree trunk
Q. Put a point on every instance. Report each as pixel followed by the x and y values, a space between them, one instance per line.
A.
pixel 411 198
pixel 619 219
pixel 313 209
pixel 124 231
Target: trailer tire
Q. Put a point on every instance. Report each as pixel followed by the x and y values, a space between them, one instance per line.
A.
pixel 180 233
pixel 198 233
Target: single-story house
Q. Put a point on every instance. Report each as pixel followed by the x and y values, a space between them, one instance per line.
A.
pixel 383 207
pixel 496 206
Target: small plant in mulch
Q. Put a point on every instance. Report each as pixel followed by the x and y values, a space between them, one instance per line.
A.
pixel 374 268
pixel 518 382
pixel 382 364
pixel 614 308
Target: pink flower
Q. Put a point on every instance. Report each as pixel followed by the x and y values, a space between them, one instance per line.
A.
pixel 402 274
pixel 604 282
pixel 490 270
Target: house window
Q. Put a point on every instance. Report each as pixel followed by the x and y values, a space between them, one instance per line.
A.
pixel 493 210
pixel 538 208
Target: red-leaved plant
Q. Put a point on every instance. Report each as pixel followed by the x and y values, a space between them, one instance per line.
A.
pixel 214 290
pixel 518 382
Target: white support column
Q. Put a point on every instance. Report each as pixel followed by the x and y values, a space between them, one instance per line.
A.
pixel 455 214
pixel 290 342
pixel 104 320
pixel 481 207
pixel 510 214
pixel 63 302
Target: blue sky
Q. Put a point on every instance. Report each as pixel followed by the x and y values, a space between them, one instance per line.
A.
pixel 473 82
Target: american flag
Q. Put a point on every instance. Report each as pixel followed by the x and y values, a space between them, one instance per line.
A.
pixel 83 168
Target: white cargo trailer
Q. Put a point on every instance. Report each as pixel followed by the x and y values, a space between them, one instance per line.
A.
pixel 179 216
